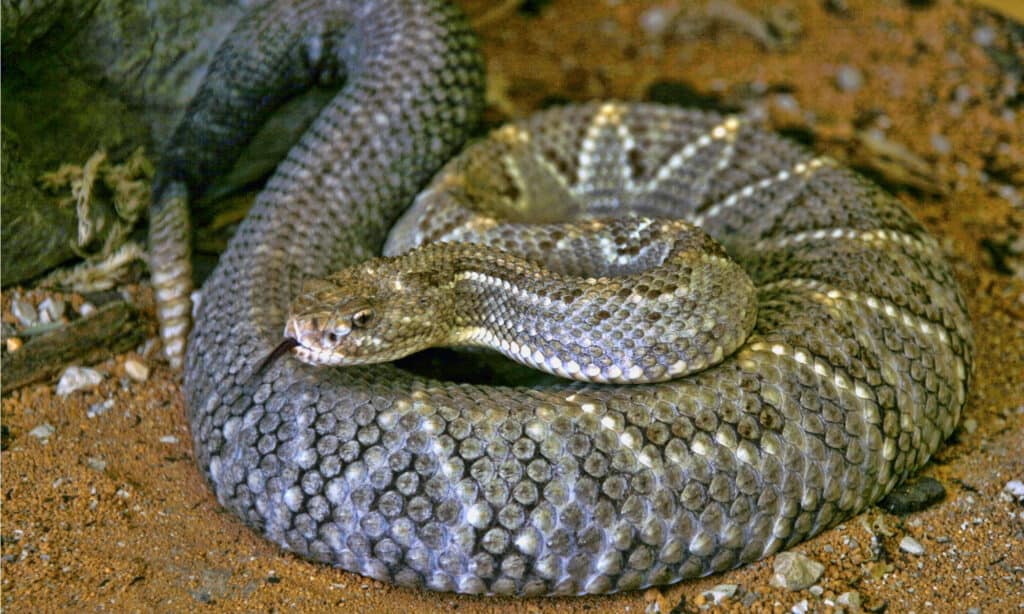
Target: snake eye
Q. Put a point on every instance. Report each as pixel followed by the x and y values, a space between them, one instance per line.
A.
pixel 362 318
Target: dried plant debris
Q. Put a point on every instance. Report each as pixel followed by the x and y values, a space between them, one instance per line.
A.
pixel 501 10
pixel 1005 250
pixel 124 185
pixel 894 164
pixel 93 275
pixel 109 199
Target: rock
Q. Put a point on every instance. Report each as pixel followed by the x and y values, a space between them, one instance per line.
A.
pixel 13 344
pixel 24 312
pixel 940 144
pixel 43 431
pixel 655 21
pixel 984 36
pixel 78 378
pixel 1015 490
pixel 795 571
pixel 720 593
pixel 851 600
pixel 51 310
pixel 849 78
pixel 136 370
pixel 98 409
pixel 87 309
pixel 910 545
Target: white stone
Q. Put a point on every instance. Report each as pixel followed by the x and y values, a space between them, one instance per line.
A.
pixel 136 369
pixel 97 409
pixel 43 431
pixel 78 378
pixel 24 312
pixel 721 592
pixel 51 310
pixel 1015 489
pixel 912 546
pixel 795 571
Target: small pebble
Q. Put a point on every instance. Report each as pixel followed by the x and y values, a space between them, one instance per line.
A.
pixel 911 546
pixel 136 370
pixel 817 590
pixel 787 102
pixel 43 431
pixel 96 464
pixel 78 378
pixel 850 599
pixel 149 347
pixel 849 78
pixel 940 144
pixel 197 300
pixel 655 21
pixel 51 310
pixel 1015 488
pixel 87 309
pixel 14 344
pixel 800 607
pixel 98 409
pixel 169 439
pixel 984 36
pixel 795 571
pixel 721 592
pixel 962 94
pixel 970 425
pixel 24 312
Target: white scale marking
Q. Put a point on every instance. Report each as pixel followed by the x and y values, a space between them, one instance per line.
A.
pixel 922 245
pixel 892 311
pixel 804 169
pixel 611 115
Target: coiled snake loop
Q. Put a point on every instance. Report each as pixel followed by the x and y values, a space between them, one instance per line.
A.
pixel 855 371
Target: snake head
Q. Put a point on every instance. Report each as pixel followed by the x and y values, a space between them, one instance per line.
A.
pixel 369 313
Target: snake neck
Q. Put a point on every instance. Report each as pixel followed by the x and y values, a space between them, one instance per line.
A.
pixel 689 313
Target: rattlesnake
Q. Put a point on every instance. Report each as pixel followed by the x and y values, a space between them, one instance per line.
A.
pixel 856 369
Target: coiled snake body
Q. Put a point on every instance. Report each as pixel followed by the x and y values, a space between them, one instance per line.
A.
pixel 855 371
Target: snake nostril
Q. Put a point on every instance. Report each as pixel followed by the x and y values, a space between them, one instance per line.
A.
pixel 331 339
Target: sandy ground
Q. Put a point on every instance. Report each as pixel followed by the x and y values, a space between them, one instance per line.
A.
pixel 107 511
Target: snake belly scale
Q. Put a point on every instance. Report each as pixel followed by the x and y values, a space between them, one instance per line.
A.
pixel 855 371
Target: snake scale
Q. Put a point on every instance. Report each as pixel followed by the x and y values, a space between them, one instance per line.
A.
pixel 855 371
